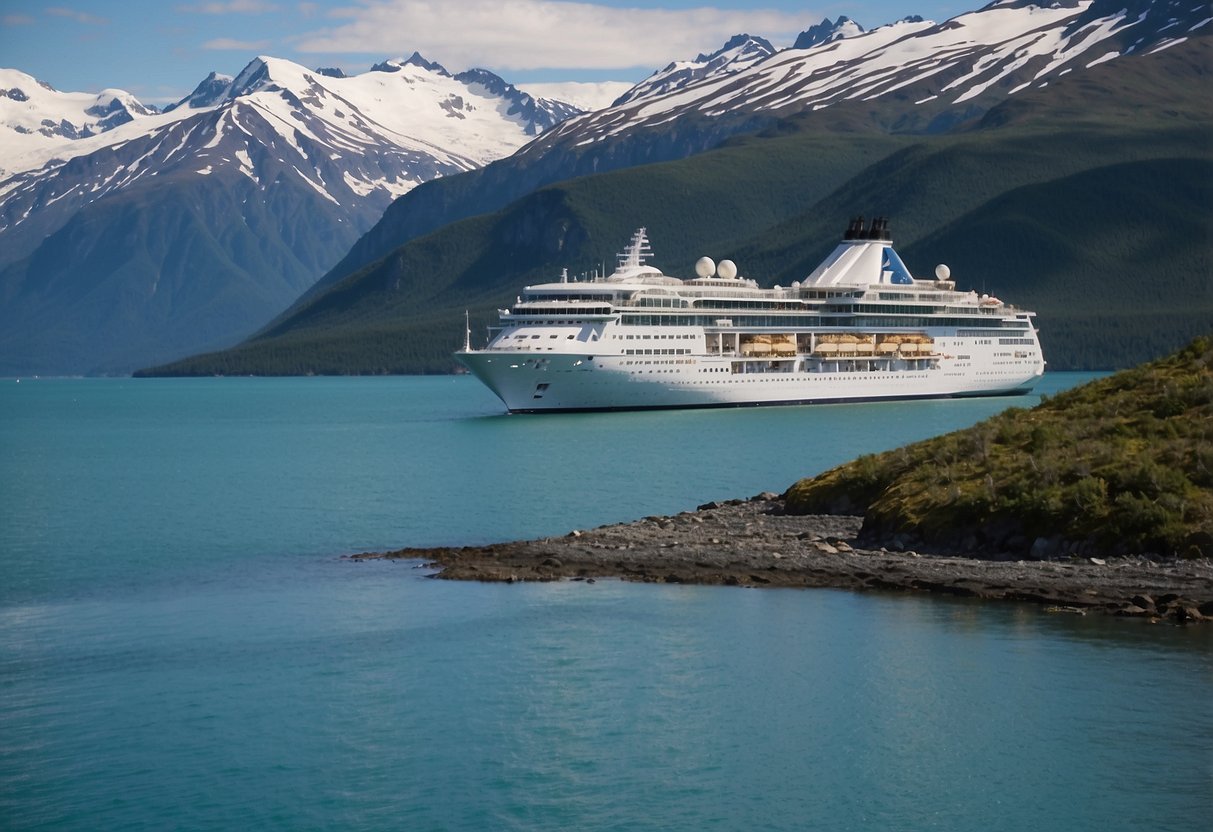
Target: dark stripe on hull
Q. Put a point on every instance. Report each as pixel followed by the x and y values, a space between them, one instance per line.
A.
pixel 1023 391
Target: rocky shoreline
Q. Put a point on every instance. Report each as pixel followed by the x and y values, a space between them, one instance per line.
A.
pixel 753 543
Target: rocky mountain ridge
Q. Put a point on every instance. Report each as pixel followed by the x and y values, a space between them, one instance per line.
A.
pixel 739 52
pixel 936 74
pixel 342 148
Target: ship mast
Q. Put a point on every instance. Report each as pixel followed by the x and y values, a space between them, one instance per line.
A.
pixel 634 255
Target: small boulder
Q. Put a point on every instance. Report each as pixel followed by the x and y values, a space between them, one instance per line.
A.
pixel 1143 601
pixel 1188 613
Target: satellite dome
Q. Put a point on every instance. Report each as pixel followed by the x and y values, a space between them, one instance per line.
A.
pixel 704 267
pixel 727 269
pixel 942 272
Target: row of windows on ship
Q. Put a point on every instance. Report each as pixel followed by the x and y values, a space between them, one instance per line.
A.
pixel 670 302
pixel 793 321
pixel 666 300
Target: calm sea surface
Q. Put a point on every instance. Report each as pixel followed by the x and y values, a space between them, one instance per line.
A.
pixel 181 646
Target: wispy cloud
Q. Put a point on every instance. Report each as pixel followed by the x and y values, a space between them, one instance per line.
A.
pixel 236 45
pixel 534 34
pixel 78 16
pixel 231 7
pixel 16 20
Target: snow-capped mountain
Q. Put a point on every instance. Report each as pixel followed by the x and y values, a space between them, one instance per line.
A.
pixel 419 118
pixel 826 30
pixel 357 142
pixel 945 71
pixel 35 116
pixel 314 159
pixel 740 52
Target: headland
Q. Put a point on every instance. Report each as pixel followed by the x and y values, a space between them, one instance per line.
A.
pixel 755 543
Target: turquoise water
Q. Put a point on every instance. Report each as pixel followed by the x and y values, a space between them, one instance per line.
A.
pixel 182 647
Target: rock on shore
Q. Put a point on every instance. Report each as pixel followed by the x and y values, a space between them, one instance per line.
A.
pixel 754 543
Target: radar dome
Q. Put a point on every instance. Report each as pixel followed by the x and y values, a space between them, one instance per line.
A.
pixel 704 267
pixel 727 269
pixel 942 272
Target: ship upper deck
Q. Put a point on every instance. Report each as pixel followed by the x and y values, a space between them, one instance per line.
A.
pixel 863 274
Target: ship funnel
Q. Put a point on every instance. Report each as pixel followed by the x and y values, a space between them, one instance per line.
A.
pixel 880 230
pixel 858 230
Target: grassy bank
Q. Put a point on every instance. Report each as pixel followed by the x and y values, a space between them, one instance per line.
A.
pixel 1123 464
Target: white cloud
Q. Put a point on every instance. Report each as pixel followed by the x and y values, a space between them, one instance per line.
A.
pixel 78 16
pixel 16 20
pixel 231 7
pixel 583 94
pixel 237 45
pixel 533 34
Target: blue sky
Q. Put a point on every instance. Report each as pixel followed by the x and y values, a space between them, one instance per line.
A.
pixel 160 49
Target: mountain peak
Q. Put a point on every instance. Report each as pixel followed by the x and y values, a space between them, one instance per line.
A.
pixel 211 91
pixel 739 53
pixel 253 77
pixel 416 59
pixel 744 43
pixel 826 31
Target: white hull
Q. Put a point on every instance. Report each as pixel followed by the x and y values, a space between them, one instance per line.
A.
pixel 584 382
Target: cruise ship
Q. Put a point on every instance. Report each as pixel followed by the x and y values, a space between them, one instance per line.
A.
pixel 860 327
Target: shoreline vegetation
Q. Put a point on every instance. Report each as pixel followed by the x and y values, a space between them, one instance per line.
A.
pixel 1098 499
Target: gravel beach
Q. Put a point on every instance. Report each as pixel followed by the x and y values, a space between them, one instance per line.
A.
pixel 753 543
